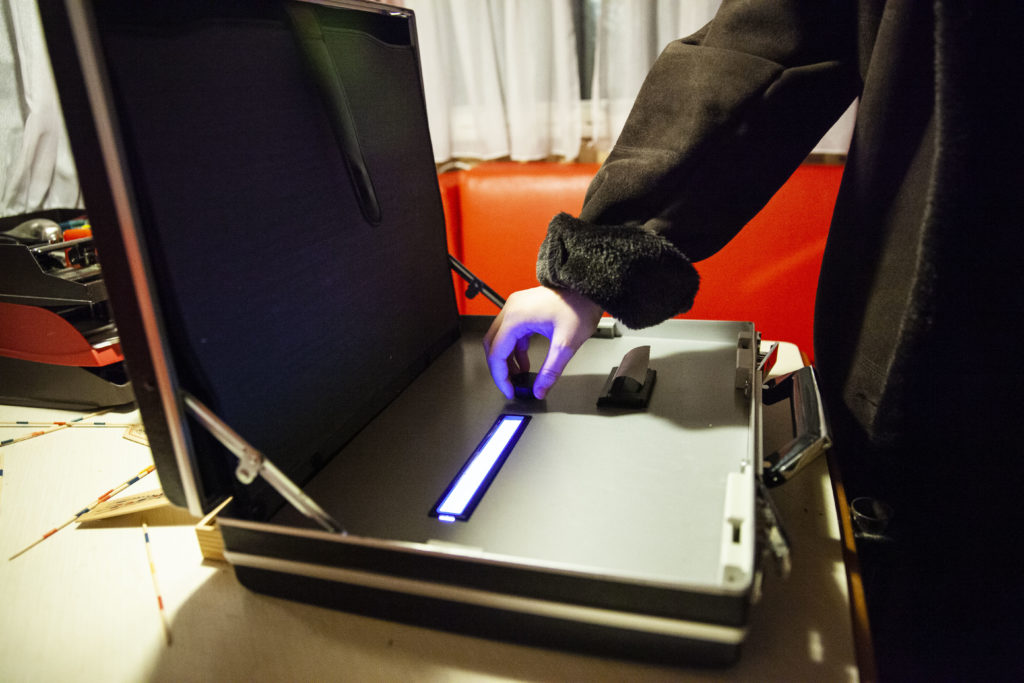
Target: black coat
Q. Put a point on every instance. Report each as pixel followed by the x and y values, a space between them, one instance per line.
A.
pixel 919 304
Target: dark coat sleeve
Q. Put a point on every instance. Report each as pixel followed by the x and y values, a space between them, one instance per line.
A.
pixel 722 120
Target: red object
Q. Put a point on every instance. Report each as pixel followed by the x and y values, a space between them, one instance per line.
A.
pixel 37 334
pixel 497 215
pixel 77 261
pixel 77 233
pixel 504 210
pixel 769 272
pixel 449 184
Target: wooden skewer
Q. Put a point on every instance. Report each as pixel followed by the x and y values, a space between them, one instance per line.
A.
pixel 156 586
pixel 109 494
pixel 74 423
pixel 56 427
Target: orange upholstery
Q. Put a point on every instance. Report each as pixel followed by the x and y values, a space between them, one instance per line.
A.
pixel 769 272
pixel 497 215
pixel 504 210
pixel 449 184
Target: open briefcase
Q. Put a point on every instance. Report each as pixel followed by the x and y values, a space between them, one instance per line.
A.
pixel 260 179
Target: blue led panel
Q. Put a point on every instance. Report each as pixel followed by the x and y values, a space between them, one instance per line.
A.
pixel 462 495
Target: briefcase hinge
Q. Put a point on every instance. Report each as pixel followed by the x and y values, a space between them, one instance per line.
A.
pixel 774 539
pixel 252 463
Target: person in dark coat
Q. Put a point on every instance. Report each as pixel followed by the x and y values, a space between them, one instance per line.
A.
pixel 919 301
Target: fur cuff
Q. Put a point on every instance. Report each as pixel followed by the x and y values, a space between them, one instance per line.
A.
pixel 636 275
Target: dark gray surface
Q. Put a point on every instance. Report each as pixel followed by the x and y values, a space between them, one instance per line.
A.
pixel 608 491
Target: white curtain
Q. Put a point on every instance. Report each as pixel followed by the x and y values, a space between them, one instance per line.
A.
pixel 36 167
pixel 629 36
pixel 501 80
pixel 501 77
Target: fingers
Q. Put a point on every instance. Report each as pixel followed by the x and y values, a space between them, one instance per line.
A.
pixel 554 364
pixel 497 363
pixel 521 355
pixel 502 343
pixel 565 318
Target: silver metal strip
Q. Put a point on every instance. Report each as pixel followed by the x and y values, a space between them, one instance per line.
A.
pixel 84 36
pixel 677 628
pixel 364 6
pixel 492 559
pixel 252 463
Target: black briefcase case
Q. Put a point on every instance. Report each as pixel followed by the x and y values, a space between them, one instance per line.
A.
pixel 264 198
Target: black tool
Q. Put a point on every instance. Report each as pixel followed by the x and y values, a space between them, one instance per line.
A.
pixel 522 385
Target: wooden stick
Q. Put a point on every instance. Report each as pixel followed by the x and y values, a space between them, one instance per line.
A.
pixel 56 427
pixel 156 586
pixel 109 494
pixel 64 423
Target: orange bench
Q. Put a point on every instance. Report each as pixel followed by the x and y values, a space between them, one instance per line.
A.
pixel 497 214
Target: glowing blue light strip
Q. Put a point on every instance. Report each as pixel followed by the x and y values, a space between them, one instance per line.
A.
pixel 480 468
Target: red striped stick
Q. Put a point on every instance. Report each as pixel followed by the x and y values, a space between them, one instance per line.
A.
pixel 106 496
pixel 65 423
pixel 156 586
pixel 56 427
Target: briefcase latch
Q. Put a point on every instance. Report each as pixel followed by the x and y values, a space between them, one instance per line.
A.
pixel 746 361
pixel 774 538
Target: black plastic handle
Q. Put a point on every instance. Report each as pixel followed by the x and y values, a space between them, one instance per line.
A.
pixel 810 424
pixel 321 63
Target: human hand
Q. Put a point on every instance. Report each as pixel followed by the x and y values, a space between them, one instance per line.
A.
pixel 566 318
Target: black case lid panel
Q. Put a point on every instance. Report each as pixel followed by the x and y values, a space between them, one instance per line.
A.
pixel 285 185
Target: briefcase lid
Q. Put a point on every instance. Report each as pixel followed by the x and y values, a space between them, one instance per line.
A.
pixel 262 188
